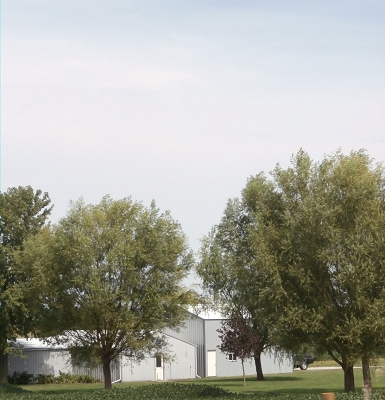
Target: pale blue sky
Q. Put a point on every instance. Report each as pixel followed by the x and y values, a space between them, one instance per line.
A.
pixel 181 101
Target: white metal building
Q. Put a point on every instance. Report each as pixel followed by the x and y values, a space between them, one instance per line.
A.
pixel 202 330
pixel 41 358
pixel 193 351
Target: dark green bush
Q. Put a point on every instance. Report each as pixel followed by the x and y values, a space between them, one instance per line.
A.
pixel 20 378
pixel 170 391
pixel 6 389
pixel 65 377
pixel 44 378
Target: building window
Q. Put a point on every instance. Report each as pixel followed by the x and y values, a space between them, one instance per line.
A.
pixel 158 362
pixel 232 357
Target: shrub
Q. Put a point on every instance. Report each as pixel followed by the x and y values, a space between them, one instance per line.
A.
pixel 20 378
pixel 169 391
pixel 65 377
pixel 44 378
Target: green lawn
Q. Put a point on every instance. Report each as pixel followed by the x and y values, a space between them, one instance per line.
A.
pixel 298 382
pixel 332 363
pixel 326 363
pixel 67 387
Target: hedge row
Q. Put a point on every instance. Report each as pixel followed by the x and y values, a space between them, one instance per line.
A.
pixel 168 391
pixel 23 378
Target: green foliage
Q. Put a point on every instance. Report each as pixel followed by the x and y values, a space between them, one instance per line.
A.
pixel 109 278
pixel 20 378
pixel 304 255
pixel 24 378
pixel 323 244
pixel 43 379
pixel 23 214
pixel 64 377
pixel 171 391
pixel 231 272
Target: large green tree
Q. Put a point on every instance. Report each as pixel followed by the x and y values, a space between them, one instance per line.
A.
pixel 323 244
pixel 303 254
pixel 112 276
pixel 230 273
pixel 24 213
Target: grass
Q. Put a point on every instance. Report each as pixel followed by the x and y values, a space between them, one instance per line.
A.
pixel 332 363
pixel 69 387
pixel 299 382
pixel 169 391
pixel 326 363
pixel 310 382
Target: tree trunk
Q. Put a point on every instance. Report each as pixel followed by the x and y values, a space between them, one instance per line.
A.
pixel 107 374
pixel 3 367
pixel 367 378
pixel 258 366
pixel 348 378
pixel 3 362
pixel 243 370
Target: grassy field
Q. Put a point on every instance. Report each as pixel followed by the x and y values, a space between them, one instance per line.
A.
pixel 299 382
pixel 332 363
pixel 296 383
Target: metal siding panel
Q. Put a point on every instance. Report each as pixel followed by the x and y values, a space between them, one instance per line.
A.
pixel 181 366
pixel 53 362
pixel 270 363
pixel 133 371
pixel 98 371
pixel 40 362
pixel 224 366
pixel 233 368
pixel 196 331
pixel 95 372
pixel 183 363
pixel 279 364
pixel 193 332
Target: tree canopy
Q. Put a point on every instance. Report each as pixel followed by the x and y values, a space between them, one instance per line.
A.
pixel 313 247
pixel 327 251
pixel 231 275
pixel 24 213
pixel 112 277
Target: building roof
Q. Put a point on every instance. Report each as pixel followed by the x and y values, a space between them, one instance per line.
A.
pixel 207 314
pixel 37 344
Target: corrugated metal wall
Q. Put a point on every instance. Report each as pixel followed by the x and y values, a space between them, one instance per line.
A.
pixel 270 363
pixel 196 337
pixel 53 362
pixel 193 332
pixel 134 371
pixel 275 365
pixel 183 364
pixel 40 362
pixel 98 372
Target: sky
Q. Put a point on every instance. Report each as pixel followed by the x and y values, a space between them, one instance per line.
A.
pixel 181 101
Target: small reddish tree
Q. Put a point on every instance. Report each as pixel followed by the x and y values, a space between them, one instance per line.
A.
pixel 238 338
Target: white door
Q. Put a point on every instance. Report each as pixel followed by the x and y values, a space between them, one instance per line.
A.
pixel 159 369
pixel 211 363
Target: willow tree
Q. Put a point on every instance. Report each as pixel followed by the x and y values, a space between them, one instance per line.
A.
pixel 230 273
pixel 325 251
pixel 24 213
pixel 110 277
